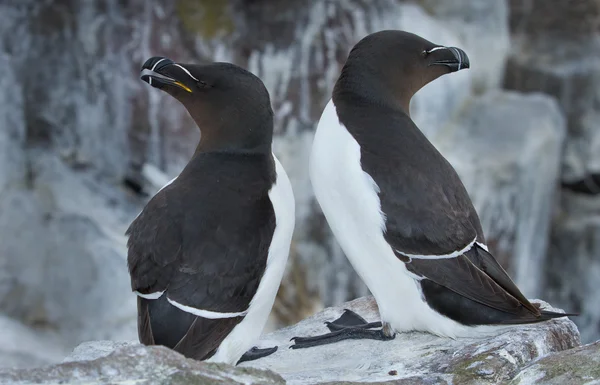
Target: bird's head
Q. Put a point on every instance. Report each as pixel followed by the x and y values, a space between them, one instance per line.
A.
pixel 399 63
pixel 230 105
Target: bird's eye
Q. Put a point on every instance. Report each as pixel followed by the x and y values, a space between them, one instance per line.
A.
pixel 202 84
pixel 424 53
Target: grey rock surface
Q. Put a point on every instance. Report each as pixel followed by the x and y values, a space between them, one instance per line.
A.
pixel 138 364
pixel 62 215
pixel 63 256
pixel 411 358
pixel 92 350
pixel 416 357
pixel 555 50
pixel 575 252
pixel 506 147
pixel 25 347
pixel 578 366
pixel 482 27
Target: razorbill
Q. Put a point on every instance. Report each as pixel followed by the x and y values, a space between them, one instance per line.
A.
pixel 398 209
pixel 207 253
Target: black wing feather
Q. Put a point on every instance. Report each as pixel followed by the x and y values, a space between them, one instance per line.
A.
pixel 204 241
pixel 204 336
pixel 154 247
pixel 488 264
pixel 428 210
pixel 463 277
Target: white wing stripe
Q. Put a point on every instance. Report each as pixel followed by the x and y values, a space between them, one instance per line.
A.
pixel 149 296
pixel 454 254
pixel 205 313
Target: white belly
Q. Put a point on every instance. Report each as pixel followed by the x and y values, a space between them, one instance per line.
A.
pixel 246 334
pixel 349 199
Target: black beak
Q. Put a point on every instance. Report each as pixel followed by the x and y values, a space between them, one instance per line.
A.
pixel 454 58
pixel 157 72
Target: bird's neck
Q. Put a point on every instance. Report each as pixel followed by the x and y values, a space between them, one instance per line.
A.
pixel 371 87
pixel 241 139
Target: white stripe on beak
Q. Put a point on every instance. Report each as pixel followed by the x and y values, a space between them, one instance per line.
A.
pixel 153 67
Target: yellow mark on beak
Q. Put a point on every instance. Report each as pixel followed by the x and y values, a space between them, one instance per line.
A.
pixel 184 87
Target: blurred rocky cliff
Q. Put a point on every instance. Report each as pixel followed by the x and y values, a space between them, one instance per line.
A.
pixel 81 139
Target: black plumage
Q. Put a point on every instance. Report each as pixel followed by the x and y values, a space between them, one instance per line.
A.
pixel 204 239
pixel 429 221
pixel 198 250
pixel 428 210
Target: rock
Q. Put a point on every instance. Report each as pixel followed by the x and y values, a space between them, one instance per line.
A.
pixel 140 365
pixel 25 347
pixel 539 19
pixel 417 358
pixel 92 350
pixel 576 366
pixel 411 358
pixel 62 219
pixel 573 252
pixel 63 255
pixel 506 147
pixel 482 27
pixel 556 50
pixel 12 127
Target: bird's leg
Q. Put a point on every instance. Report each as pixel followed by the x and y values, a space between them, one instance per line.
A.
pixel 349 326
pixel 256 353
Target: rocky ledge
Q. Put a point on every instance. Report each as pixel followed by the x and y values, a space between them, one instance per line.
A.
pixel 545 353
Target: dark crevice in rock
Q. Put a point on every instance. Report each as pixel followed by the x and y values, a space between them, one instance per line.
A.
pixel 590 185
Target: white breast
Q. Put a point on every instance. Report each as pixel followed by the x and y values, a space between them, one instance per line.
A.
pixel 350 202
pixel 246 334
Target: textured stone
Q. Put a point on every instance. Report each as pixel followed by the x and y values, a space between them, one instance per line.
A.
pixel 25 347
pixel 539 18
pixel 506 147
pixel 416 358
pixel 140 365
pixel 574 252
pixel 63 255
pixel 92 350
pixel 576 366
pixel 482 27
pixel 410 359
pixel 556 50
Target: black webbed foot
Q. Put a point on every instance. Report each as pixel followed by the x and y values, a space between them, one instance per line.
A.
pixel 256 353
pixel 348 326
pixel 347 333
pixel 351 319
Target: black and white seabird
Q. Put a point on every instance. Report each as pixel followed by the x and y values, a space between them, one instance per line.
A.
pixel 207 253
pixel 397 207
